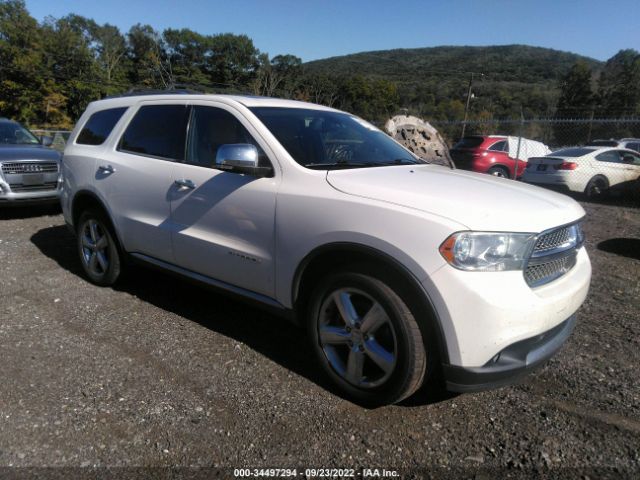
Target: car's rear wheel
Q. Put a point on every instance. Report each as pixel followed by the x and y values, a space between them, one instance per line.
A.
pixel 98 249
pixel 366 338
pixel 596 187
pixel 501 172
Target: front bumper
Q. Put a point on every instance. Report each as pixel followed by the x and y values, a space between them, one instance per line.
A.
pixel 511 362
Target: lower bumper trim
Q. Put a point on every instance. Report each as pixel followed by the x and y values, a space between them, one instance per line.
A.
pixel 511 363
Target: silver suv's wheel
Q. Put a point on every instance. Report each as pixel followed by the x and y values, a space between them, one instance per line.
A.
pixel 97 248
pixel 366 338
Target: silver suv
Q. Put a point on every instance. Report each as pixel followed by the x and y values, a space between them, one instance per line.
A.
pixel 29 170
pixel 398 269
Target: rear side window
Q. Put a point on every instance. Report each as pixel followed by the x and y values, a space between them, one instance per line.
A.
pixel 469 142
pixel 99 126
pixel 499 146
pixel 157 131
pixel 611 156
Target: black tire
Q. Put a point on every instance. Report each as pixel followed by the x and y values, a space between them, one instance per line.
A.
pixel 498 171
pixel 398 335
pixel 89 251
pixel 597 187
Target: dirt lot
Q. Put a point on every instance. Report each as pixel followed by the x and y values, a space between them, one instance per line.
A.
pixel 159 373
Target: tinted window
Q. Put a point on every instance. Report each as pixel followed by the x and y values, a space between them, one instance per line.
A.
pixel 469 142
pixel 211 127
pixel 157 130
pixel 99 126
pixel 571 152
pixel 627 156
pixel 611 156
pixel 634 146
pixel 499 146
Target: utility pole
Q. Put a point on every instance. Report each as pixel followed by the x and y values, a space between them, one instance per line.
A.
pixel 466 107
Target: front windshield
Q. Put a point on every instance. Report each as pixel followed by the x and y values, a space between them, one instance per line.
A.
pixel 323 139
pixel 15 134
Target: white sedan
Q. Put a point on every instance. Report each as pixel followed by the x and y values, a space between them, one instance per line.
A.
pixel 588 170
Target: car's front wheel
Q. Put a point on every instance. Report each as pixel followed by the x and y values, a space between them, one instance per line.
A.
pixel 366 338
pixel 97 248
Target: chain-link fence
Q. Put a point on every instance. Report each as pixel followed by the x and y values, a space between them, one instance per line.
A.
pixel 592 157
pixel 58 137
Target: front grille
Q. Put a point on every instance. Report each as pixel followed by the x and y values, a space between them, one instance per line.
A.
pixel 553 255
pixel 540 273
pixel 555 239
pixel 18 187
pixel 12 168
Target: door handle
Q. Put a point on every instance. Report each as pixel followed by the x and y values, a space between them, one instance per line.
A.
pixel 184 183
pixel 106 169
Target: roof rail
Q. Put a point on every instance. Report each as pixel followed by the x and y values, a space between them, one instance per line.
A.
pixel 170 91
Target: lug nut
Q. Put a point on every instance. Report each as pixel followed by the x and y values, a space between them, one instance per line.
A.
pixel 348 329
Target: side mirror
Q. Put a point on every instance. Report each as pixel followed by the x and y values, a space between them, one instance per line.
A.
pixel 46 140
pixel 241 158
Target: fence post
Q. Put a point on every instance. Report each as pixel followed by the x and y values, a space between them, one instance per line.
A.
pixel 515 171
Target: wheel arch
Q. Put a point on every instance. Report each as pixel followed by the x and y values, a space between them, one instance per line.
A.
pixel 85 199
pixel 331 257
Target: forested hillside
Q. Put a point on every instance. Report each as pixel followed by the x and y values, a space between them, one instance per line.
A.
pixel 433 82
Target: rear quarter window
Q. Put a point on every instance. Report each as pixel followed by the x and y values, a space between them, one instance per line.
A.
pixel 99 126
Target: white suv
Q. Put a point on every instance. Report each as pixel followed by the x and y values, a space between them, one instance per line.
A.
pixel 401 271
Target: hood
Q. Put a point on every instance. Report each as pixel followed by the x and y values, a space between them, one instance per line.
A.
pixel 477 201
pixel 13 152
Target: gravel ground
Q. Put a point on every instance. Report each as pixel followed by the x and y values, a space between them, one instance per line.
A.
pixel 159 373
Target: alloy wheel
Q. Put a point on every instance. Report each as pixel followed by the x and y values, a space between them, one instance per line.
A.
pixel 357 337
pixel 95 248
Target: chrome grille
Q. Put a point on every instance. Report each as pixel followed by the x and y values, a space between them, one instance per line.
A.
pixel 553 255
pixel 541 273
pixel 11 168
pixel 555 239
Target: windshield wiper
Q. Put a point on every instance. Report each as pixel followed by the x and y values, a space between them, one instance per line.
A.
pixel 329 166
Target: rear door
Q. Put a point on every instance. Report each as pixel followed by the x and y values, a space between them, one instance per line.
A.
pixel 136 177
pixel 611 165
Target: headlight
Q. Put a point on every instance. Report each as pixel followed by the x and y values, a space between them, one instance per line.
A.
pixel 488 252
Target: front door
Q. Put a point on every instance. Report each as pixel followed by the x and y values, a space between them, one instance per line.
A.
pixel 223 223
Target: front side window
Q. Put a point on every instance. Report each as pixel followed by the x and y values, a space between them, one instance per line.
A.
pixel 99 126
pixel 211 127
pixel 499 146
pixel 157 131
pixel 15 134
pixel 322 140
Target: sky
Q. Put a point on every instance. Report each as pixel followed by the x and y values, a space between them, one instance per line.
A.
pixel 314 29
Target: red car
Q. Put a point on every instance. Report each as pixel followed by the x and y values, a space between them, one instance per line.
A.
pixel 486 154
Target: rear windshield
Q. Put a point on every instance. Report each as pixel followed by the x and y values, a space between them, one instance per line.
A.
pixel 571 152
pixel 603 143
pixel 469 142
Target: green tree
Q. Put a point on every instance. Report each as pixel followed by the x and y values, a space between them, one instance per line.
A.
pixel 576 101
pixel 22 83
pixel 619 85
